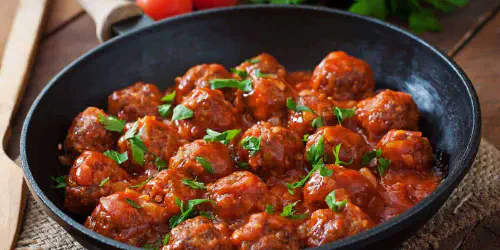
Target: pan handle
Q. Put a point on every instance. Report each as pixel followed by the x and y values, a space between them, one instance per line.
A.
pixel 107 12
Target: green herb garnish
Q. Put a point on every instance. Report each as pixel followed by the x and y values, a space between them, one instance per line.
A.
pixel 252 144
pixel 131 132
pixel 288 212
pixel 343 114
pixel 207 215
pixel 245 85
pixel 61 181
pixel 104 182
pixel 336 152
pixel 306 137
pixel 241 73
pixel 166 239
pixel 187 211
pixel 142 184
pixel 224 137
pixel 193 184
pixel 316 152
pixel 169 97
pixel 252 61
pixel 117 157
pixel 242 165
pixel 383 165
pixel 159 163
pixel 292 105
pixel 165 110
pixel 368 156
pixel 332 202
pixel 112 123
pixel 181 112
pixel 132 203
pixel 138 149
pixel 205 164
pixel 269 209
pixel 317 122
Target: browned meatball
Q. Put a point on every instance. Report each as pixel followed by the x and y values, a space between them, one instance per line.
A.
pixel 198 77
pixel 210 110
pixel 92 176
pixel 87 133
pixel 352 145
pixel 385 111
pixel 134 102
pixel 326 226
pixel 279 191
pixel 238 195
pixel 216 154
pixel 406 149
pixel 279 149
pixel 265 231
pixel 357 187
pixel 165 187
pixel 126 217
pixel 160 139
pixel 343 77
pixel 198 233
pixel 267 101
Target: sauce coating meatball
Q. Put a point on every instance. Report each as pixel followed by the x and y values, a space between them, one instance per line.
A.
pixel 326 226
pixel 265 63
pixel 265 231
pixel 215 153
pixel 134 102
pixel 199 233
pixel 352 145
pixel 160 139
pixel 279 149
pixel 125 217
pixel 210 110
pixel 385 111
pixel 406 149
pixel 92 176
pixel 358 188
pixel 277 185
pixel 198 77
pixel 343 77
pixel 301 122
pixel 238 195
pixel 87 133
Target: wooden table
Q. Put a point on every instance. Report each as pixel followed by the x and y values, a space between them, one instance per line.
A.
pixel 471 36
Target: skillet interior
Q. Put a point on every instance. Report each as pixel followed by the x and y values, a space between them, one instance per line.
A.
pixel 299 37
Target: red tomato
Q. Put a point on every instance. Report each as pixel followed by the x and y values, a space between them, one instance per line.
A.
pixel 159 9
pixel 207 4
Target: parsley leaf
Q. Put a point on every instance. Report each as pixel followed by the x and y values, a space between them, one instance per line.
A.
pixel 142 184
pixel 269 209
pixel 259 74
pixel 288 212
pixel 383 166
pixel 317 122
pixel 193 184
pixel 242 165
pixel 166 239
pixel 292 186
pixel 132 203
pixel 181 112
pixel 241 73
pixel 336 151
pixel 159 163
pixel 306 137
pixel 186 212
pixel 169 97
pixel 164 110
pixel 131 132
pixel 324 171
pixel 368 156
pixel 138 149
pixel 224 137
pixel 252 144
pixel 207 215
pixel 316 151
pixel 61 181
pixel 291 105
pixel 245 85
pixel 104 182
pixel 343 114
pixel 332 202
pixel 115 156
pixel 205 164
pixel 112 123
pixel 252 61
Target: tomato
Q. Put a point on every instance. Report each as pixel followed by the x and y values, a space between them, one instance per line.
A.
pixel 207 4
pixel 160 9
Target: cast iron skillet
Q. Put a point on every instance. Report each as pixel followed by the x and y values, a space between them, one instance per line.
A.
pixel 299 37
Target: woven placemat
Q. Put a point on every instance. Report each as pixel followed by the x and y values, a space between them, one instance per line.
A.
pixel 478 195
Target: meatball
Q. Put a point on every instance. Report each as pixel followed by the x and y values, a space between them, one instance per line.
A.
pixel 126 217
pixel 279 191
pixel 357 187
pixel 134 102
pixel 299 80
pixel 279 149
pixel 265 231
pixel 352 145
pixel 343 77
pixel 198 233
pixel 165 187
pixel 387 110
pixel 160 139
pixel 406 149
pixel 92 176
pixel 326 226
pixel 210 110
pixel 198 77
pixel 215 153
pixel 267 101
pixel 301 122
pixel 87 133
pixel 238 195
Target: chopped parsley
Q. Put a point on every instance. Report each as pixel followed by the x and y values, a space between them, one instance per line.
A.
pixel 292 105
pixel 252 144
pixel 132 203
pixel 224 137
pixel 104 182
pixel 333 204
pixel 186 211
pixel 159 163
pixel 241 73
pixel 252 61
pixel 288 212
pixel 131 132
pixel 245 85
pixel 269 209
pixel 193 184
pixel 112 123
pixel 165 109
pixel 117 157
pixel 169 97
pixel 343 114
pixel 306 137
pixel 181 112
pixel 292 186
pixel 316 151
pixel 383 166
pixel 142 184
pixel 259 74
pixel 336 151
pixel 166 239
pixel 317 122
pixel 370 155
pixel 61 181
pixel 205 164
pixel 138 149
pixel 207 215
pixel 242 165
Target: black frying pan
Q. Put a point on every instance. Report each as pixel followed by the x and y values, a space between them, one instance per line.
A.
pixel 299 37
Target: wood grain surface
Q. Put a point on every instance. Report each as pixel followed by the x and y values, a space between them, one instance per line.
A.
pixel 478 55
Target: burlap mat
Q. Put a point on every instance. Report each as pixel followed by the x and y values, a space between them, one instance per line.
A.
pixel 477 196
